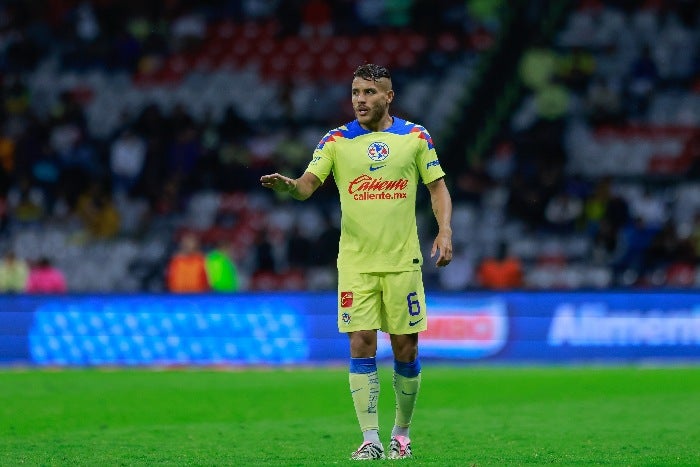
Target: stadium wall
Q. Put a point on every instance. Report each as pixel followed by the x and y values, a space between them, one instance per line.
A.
pixel 300 328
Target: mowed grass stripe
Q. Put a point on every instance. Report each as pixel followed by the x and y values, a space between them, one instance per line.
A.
pixel 465 416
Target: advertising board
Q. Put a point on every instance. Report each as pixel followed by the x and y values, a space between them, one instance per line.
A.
pixel 300 328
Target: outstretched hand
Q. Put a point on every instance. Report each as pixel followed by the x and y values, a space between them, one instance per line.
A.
pixel 278 182
pixel 443 244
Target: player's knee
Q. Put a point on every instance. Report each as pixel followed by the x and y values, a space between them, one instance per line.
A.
pixel 363 344
pixel 405 347
pixel 406 355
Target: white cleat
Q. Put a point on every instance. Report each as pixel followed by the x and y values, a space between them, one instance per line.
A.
pixel 368 451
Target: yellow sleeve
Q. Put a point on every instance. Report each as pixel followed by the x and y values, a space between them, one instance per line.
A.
pixel 322 161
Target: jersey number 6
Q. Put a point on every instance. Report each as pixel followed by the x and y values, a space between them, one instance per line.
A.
pixel 413 304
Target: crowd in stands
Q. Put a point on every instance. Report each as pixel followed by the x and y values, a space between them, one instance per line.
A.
pixel 133 135
pixel 40 277
pixel 129 126
pixel 599 152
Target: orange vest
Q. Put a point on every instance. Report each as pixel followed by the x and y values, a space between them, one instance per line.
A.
pixel 187 274
pixel 504 274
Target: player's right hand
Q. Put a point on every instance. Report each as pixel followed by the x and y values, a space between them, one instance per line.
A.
pixel 278 182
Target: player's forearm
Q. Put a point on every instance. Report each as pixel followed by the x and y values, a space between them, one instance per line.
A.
pixel 301 190
pixel 304 186
pixel 442 207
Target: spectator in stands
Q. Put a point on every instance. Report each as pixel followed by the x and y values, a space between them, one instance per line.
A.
pixel 80 164
pixel 635 239
pixel 694 237
pixel 345 17
pixel 538 66
pixel 14 273
pixel 487 12
pixel 553 101
pixel 526 201
pixel 299 249
pixel 603 103
pixel 98 213
pixel 169 200
pixel 45 278
pixel 562 212
pixel 576 68
pixel 606 243
pixel 186 271
pixel 650 208
pixel 7 154
pixel 289 15
pixel 264 254
pixel 501 164
pixel 258 10
pixel 617 211
pixel 326 246
pixel 26 204
pixel 642 81
pixel 17 96
pixel 398 13
pixel 183 156
pixel 316 19
pixel 503 271
pixel 472 183
pixel 596 204
pixel 46 175
pixel 222 273
pixel 187 32
pixel 681 267
pixel 291 150
pixel 664 248
pixel 370 13
pixel 126 161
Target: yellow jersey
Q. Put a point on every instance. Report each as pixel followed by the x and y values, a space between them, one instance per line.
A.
pixel 377 174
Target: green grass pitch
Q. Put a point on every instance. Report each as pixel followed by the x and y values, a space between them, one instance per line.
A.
pixel 300 416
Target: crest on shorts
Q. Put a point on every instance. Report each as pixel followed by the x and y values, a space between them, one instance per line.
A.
pixel 378 151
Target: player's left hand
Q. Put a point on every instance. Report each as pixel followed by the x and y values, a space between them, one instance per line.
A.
pixel 443 244
pixel 277 182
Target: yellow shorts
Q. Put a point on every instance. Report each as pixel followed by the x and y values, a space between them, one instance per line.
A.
pixel 391 301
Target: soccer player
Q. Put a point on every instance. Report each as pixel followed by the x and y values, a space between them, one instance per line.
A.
pixel 377 161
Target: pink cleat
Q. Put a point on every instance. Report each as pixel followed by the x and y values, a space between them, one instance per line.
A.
pixel 400 448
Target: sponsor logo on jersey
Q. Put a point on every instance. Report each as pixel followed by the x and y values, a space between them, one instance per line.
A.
pixel 346 317
pixel 434 163
pixel 378 151
pixel 367 183
pixel 373 167
pixel 346 300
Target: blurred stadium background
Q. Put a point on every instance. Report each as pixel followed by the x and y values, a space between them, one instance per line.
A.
pixel 569 130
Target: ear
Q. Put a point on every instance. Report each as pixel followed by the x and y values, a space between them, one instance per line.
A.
pixel 389 96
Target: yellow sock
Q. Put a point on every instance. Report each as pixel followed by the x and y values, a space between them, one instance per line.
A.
pixel 406 389
pixel 364 388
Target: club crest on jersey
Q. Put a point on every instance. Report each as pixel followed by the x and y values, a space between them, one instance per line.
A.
pixel 378 151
